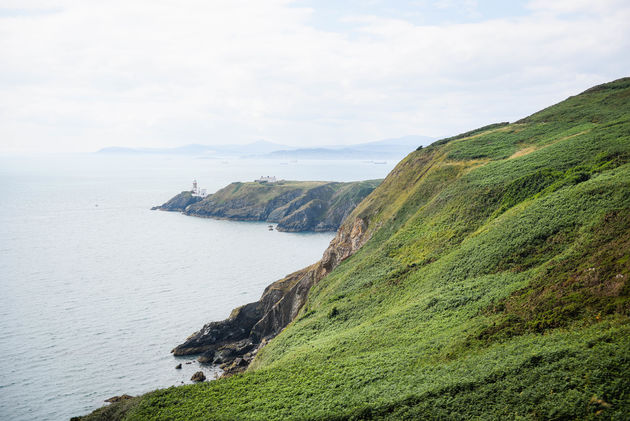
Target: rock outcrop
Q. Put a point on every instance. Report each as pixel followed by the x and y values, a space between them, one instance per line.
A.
pixel 115 399
pixel 234 342
pixel 198 377
pixel 179 202
pixel 294 205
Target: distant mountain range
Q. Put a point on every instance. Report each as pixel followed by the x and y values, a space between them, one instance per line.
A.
pixel 259 147
pixel 382 149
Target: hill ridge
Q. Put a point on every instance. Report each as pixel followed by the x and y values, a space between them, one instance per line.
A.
pixel 478 284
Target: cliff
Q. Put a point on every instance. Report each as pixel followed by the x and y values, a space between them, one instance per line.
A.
pixel 235 341
pixel 485 278
pixel 179 202
pixel 294 205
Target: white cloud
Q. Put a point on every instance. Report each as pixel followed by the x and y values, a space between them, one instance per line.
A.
pixel 578 6
pixel 142 73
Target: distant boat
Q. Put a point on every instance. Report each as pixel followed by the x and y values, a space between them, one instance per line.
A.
pixel 380 162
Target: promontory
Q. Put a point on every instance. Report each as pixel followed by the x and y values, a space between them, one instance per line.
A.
pixel 293 205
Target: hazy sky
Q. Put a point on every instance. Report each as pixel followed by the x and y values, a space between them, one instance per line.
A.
pixel 80 75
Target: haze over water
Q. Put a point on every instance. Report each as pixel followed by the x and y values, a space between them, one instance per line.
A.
pixel 97 289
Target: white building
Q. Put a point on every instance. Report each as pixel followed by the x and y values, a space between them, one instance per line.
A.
pixel 267 179
pixel 196 191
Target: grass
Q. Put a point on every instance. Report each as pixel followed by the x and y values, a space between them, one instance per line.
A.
pixel 494 286
pixel 293 205
pixel 260 193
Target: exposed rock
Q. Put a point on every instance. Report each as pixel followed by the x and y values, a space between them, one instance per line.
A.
pixel 235 341
pixel 178 366
pixel 198 377
pixel 178 203
pixel 229 352
pixel 216 334
pixel 115 399
pixel 237 366
pixel 207 357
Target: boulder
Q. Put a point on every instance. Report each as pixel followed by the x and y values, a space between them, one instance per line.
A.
pixel 198 377
pixel 115 399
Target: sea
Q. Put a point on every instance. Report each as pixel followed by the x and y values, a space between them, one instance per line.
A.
pixel 96 289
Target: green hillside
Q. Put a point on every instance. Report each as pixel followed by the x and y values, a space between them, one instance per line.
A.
pixel 494 285
pixel 294 205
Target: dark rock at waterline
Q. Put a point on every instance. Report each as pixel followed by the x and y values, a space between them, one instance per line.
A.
pixel 115 399
pixel 214 335
pixel 178 203
pixel 207 357
pixel 249 327
pixel 178 366
pixel 198 377
pixel 227 353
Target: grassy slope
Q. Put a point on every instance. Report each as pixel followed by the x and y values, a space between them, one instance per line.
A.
pixel 494 286
pixel 261 192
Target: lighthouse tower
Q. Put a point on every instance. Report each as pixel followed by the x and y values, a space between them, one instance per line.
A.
pixel 195 189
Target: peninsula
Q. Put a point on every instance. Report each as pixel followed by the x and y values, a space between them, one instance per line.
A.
pixel 293 205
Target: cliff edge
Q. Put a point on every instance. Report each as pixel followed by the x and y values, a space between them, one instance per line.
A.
pixel 234 342
pixel 294 205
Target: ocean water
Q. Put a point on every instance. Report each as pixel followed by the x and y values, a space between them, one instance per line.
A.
pixel 96 289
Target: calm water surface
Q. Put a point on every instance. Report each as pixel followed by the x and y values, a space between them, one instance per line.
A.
pixel 97 289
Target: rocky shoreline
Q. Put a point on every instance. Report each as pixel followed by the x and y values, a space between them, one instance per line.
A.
pixel 233 343
pixel 295 206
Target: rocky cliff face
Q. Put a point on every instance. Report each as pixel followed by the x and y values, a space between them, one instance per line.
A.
pixel 179 202
pixel 302 206
pixel 234 341
pixel 294 205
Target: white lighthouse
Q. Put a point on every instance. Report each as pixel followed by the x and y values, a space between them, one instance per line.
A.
pixel 196 191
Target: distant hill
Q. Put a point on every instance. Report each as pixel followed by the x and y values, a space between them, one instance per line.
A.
pixel 294 205
pixel 383 149
pixel 395 148
pixel 259 147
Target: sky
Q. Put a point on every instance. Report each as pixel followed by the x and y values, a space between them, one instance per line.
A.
pixel 76 76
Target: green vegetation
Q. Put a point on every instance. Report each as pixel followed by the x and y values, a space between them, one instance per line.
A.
pixel 294 205
pixel 262 193
pixel 494 286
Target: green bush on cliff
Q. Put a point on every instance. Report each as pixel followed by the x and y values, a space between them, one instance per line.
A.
pixel 494 286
